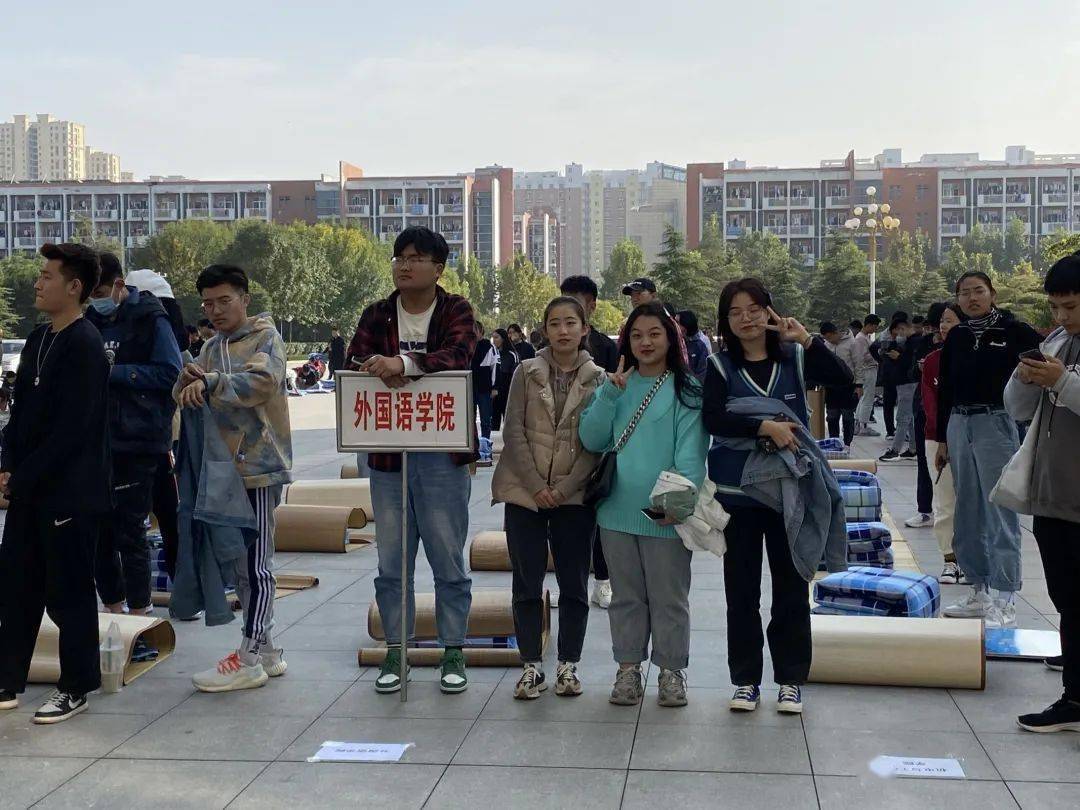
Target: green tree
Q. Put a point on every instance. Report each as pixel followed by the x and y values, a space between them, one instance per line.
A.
pixel 607 318
pixel 1021 291
pixel 931 290
pixel 1017 247
pixel 523 292
pixel 359 272
pixel 472 279
pixel 984 240
pixel 680 276
pixel 180 252
pixel 899 274
pixel 18 274
pixel 1057 246
pixel 840 286
pixel 764 256
pixel 627 263
pixel 86 234
pixel 954 265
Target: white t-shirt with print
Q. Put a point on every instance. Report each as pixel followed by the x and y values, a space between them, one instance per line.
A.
pixel 412 335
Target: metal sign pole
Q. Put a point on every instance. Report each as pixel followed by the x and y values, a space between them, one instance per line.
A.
pixel 404 576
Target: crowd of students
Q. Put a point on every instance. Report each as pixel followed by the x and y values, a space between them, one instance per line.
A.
pixel 612 453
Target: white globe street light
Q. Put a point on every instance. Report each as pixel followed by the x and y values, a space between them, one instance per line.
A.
pixel 870 226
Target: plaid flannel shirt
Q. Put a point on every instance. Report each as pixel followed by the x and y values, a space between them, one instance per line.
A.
pixel 862 590
pixel 451 340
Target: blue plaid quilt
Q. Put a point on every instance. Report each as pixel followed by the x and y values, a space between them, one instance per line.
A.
pixel 862 590
pixel 833 448
pixel 862 495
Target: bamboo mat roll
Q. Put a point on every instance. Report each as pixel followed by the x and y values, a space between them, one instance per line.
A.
pixel 328 529
pixel 157 633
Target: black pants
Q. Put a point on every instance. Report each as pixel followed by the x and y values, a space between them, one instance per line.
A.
pixel 569 531
pixel 888 407
pixel 789 627
pixel 498 409
pixel 47 564
pixel 123 557
pixel 599 564
pixel 836 416
pixel 483 407
pixel 1059 547
pixel 924 492
pixel 166 501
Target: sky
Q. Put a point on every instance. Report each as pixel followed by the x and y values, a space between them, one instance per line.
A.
pixel 246 90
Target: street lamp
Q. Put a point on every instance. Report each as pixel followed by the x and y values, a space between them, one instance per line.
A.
pixel 869 223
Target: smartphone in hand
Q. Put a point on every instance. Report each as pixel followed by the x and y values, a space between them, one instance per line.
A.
pixel 1033 354
pixel 653 514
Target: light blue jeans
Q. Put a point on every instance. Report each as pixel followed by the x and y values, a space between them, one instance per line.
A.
pixel 905 418
pixel 865 409
pixel 986 537
pixel 439 514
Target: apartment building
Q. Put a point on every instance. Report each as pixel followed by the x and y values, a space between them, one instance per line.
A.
pixel 537 237
pixel 32 214
pixel 564 195
pixel 944 195
pixel 51 151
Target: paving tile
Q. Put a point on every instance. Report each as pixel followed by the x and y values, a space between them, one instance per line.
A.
pixel 648 790
pixel 144 696
pixel 1034 757
pixel 853 793
pixel 86 735
pixel 280 697
pixel 1045 795
pixel 26 779
pixel 590 706
pixel 547 744
pixel 303 637
pixel 289 785
pixel 435 741
pixel 425 702
pixel 128 783
pixel 867 708
pixel 849 753
pixel 533 788
pixel 998 713
pixel 709 707
pixel 763 749
pixel 179 735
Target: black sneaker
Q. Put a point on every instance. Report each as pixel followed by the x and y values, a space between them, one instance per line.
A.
pixel 141 652
pixel 889 455
pixel 1061 716
pixel 59 707
pixel 1054 662
pixel 909 455
pixel 8 700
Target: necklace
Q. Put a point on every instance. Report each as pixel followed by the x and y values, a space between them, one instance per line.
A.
pixel 41 360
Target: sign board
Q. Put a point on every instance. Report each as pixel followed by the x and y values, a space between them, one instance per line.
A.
pixel 433 413
pixel 333 751
pixel 917 767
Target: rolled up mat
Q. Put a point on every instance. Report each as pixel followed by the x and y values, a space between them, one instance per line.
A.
pixel 488 552
pixel 157 633
pixel 492 614
pixel 864 464
pixel 323 529
pixel 355 493
pixel 474 656
pixel 349 470
pixel 815 402
pixel 287 585
pixel 885 651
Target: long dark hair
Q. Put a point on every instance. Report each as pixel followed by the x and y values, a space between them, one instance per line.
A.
pixel 567 301
pixel 759 294
pixel 687 387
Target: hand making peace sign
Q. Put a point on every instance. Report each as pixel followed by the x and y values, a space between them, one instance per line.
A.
pixel 788 329
pixel 619 377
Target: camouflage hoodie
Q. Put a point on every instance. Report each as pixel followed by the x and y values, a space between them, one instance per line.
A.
pixel 245 377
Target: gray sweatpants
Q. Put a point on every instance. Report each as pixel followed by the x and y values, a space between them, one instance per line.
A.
pixel 650 598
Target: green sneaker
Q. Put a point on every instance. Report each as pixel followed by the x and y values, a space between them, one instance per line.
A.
pixel 453 678
pixel 389 679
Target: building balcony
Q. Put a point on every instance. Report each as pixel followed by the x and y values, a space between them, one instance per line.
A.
pixel 198 213
pixel 49 214
pixel 991 199
pixel 448 209
pixel 258 212
pixel 953 229
pixel 3 243
pixel 223 212
pixel 24 214
pixel 1016 198
pixel 137 241
pixel 801 202
pixel 104 213
pixel 391 210
pixel 1054 226
pixel 809 260
pixel 738 203
pixel 776 230
pixel 774 202
pixel 992 226
pixel 953 201
pixel 28 242
pixel 164 213
pixel 358 210
pixel 138 213
pixel 388 236
pixel 801 230
pixel 735 231
pixel 417 210
pixel 1057 198
pixel 454 236
pixel 838 202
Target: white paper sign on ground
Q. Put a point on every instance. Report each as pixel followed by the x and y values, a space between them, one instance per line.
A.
pixel 917 767
pixel 332 751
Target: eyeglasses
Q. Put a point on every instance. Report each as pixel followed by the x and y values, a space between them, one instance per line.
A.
pixel 971 292
pixel 406 262
pixel 753 313
pixel 218 304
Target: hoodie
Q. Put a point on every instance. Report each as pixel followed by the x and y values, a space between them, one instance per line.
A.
pixel 245 380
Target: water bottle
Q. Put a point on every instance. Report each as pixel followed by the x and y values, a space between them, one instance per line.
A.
pixel 112 660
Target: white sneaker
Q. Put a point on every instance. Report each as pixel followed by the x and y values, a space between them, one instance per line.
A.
pixel 601 593
pixel 1001 614
pixel 920 521
pixel 229 675
pixel 974 606
pixel 274 663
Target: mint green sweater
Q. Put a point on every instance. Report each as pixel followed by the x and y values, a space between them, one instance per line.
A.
pixel 669 436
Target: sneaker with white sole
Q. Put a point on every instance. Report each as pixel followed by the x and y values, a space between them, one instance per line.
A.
pixel 59 707
pixel 888 456
pixel 950 574
pixel 1001 614
pixel 567 683
pixel 974 606
pixel 745 699
pixel 790 700
pixel 530 684
pixel 629 687
pixel 920 521
pixel 8 700
pixel 909 455
pixel 1054 662
pixel 1064 715
pixel 672 685
pixel 231 674
pixel 454 679
pixel 274 663
pixel 389 679
pixel 601 593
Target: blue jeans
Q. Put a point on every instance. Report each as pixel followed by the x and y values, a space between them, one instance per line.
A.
pixel 485 407
pixel 986 537
pixel 439 513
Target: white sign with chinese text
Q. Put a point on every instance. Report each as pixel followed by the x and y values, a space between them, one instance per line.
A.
pixel 333 751
pixel 917 767
pixel 433 413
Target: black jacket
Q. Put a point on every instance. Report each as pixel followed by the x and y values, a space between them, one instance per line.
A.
pixel 336 352
pixel 975 372
pixel 481 375
pixel 525 350
pixel 56 445
pixel 603 350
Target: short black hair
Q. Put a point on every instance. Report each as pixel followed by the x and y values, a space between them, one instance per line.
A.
pixel 1063 278
pixel 933 315
pixel 579 285
pixel 979 274
pixel 917 320
pixel 898 317
pixel 827 328
pixel 111 268
pixel 872 320
pixel 515 327
pixel 217 274
pixel 205 323
pixel 688 319
pixel 77 262
pixel 855 325
pixel 426 241
pixel 192 329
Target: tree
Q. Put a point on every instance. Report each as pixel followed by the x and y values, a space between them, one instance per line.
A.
pixel 607 318
pixel 359 272
pixel 984 240
pixel 18 274
pixel 1057 246
pixel 840 289
pixel 899 274
pixel 472 279
pixel 764 256
pixel 627 263
pixel 931 290
pixel 86 234
pixel 1021 292
pixel 680 276
pixel 180 252
pixel 1017 248
pixel 523 292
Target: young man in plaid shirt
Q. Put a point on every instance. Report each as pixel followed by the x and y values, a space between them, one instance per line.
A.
pixel 420 329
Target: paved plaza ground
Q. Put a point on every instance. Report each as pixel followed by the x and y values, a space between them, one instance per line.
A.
pixel 159 744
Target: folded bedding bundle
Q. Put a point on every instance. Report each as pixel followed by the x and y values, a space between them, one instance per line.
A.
pixel 833 448
pixel 870 591
pixel 862 495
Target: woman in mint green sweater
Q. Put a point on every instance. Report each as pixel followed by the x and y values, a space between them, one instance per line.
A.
pixel 649 566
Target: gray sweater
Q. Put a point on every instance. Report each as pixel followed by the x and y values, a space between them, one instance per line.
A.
pixel 1054 435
